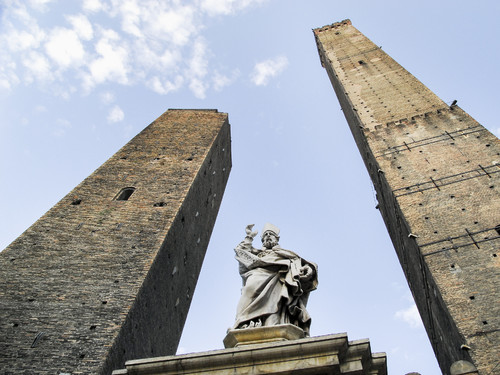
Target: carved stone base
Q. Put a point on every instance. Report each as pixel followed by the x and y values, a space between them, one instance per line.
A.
pixel 260 335
pixel 327 355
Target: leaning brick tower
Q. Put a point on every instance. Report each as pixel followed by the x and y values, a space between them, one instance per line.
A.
pixel 108 273
pixel 436 172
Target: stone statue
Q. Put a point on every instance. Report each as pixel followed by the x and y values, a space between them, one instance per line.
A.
pixel 276 283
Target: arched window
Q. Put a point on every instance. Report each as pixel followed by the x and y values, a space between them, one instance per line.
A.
pixel 124 194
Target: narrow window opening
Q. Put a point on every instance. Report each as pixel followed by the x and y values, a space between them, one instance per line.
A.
pixel 76 202
pixel 124 194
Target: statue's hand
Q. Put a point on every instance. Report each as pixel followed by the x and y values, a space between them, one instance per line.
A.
pixel 306 273
pixel 250 235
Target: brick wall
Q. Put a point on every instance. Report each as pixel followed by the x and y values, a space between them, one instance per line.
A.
pixel 437 176
pixel 97 281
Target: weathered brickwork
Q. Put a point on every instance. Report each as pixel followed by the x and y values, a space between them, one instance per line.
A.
pixel 437 176
pixel 97 281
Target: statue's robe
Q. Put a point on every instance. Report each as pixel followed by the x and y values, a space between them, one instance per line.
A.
pixel 272 290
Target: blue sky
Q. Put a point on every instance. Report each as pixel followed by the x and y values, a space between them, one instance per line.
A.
pixel 79 79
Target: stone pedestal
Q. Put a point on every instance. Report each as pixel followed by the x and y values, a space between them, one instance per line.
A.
pixel 261 335
pixel 328 355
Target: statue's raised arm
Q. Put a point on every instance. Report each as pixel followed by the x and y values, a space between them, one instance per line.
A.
pixel 276 283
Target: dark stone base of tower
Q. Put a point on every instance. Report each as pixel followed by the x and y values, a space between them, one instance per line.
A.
pixel 108 273
pixel 437 176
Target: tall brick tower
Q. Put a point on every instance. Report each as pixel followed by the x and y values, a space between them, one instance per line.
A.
pixel 108 273
pixel 436 173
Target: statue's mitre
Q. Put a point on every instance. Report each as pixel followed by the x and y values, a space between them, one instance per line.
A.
pixel 268 227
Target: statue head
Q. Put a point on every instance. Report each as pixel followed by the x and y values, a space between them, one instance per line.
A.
pixel 270 236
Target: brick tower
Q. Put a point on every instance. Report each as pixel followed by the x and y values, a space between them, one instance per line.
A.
pixel 436 173
pixel 108 273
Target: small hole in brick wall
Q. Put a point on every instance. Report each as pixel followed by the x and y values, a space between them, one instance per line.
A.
pixel 399 167
pixel 420 204
pixel 104 302
pixel 189 158
pixel 156 158
pixel 82 356
pixel 494 255
pixel 434 170
pixel 485 322
pixel 123 158
pixel 76 202
pixel 116 281
pixel 15 325
pixel 435 232
pixel 452 196
pixel 92 327
pixel 124 194
pixel 497 228
pixel 361 62
pixel 487 145
pixel 452 266
pixel 159 204
pixel 475 222
pixel 427 218
pixel 337 33
pixel 472 298
pixel 463 209
pixel 452 143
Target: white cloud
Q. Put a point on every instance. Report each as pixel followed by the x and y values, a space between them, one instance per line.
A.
pixel 265 70
pixel 220 80
pixel 107 97
pixel 165 86
pixel 154 43
pixel 64 47
pixel 198 87
pixel 40 5
pixel 93 5
pixel 225 7
pixel 173 25
pixel 39 67
pixel 115 115
pixel 82 26
pixel 410 316
pixel 112 63
pixel 22 40
pixel 131 16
